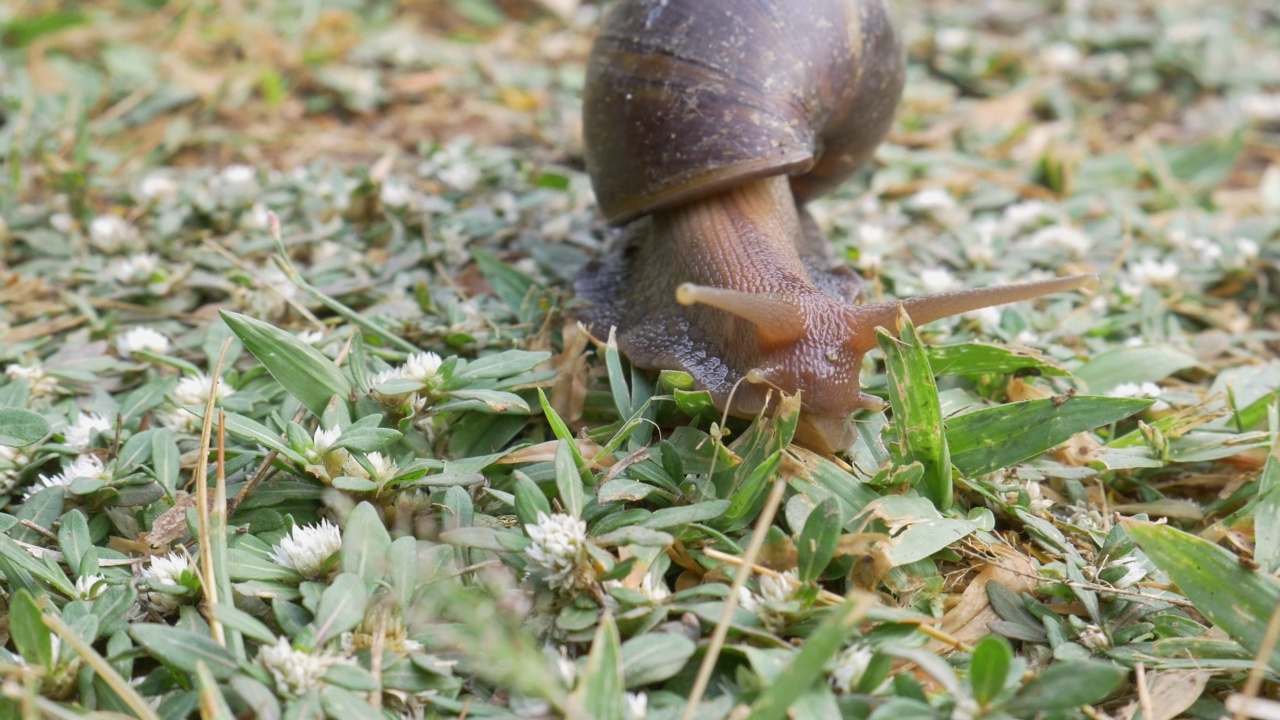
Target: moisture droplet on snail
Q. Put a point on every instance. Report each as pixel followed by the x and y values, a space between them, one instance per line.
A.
pixel 708 127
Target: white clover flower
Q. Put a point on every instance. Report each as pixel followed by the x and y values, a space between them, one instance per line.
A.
pixel 156 186
pixel 849 667
pixel 395 194
pixel 110 233
pixel 749 601
pixel 384 468
pixel 1261 107
pixel 1019 215
pixel 560 549
pixel 460 175
pixel 237 180
pixel 195 389
pixel 951 39
pixel 931 200
pixel 1149 272
pixel 422 367
pixel 38 383
pixel 323 462
pixel 86 466
pixel 654 589
pixel 63 222
pixel 257 218
pixel 1062 236
pixel 1038 502
pixel 938 280
pixel 1140 390
pixel 1061 57
pixel 137 268
pixel 166 570
pixel 12 461
pixel 80 433
pixel 780 588
pixel 89 587
pixel 321 441
pixel 1134 571
pixel 139 339
pixel 306 548
pixel 636 705
pixel 311 337
pixel 295 671
pixel 1207 250
pixel 1094 638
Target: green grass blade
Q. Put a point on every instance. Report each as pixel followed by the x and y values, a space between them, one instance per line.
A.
pixel 994 438
pixel 917 414
pixel 302 370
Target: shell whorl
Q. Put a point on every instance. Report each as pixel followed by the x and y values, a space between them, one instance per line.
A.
pixel 685 98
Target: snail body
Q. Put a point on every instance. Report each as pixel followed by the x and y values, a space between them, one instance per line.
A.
pixel 708 125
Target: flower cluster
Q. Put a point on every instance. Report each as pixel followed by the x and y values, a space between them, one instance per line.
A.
pixel 412 383
pixel 86 466
pixel 559 549
pixel 296 671
pixel 191 390
pixel 307 547
pixel 177 574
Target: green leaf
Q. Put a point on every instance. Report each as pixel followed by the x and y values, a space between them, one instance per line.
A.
pixel 365 544
pixel 501 365
pixel 818 539
pixel 302 370
pixel 341 608
pixel 213 706
pixel 917 414
pixel 73 538
pixel 809 665
pixel 244 564
pixel 989 668
pixel 367 440
pixel 529 499
pixel 243 622
pixel 342 703
pixel 1145 363
pixel 976 358
pixel 654 657
pixel 1238 600
pixel 183 649
pixel 682 515
pixel 1066 685
pixel 568 480
pixel 600 694
pixel 988 440
pixel 509 284
pixel 165 459
pixel 254 431
pixel 20 427
pixel 33 640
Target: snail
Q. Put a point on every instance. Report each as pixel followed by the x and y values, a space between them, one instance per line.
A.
pixel 707 127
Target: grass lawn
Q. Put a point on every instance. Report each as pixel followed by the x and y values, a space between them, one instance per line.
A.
pixel 296 420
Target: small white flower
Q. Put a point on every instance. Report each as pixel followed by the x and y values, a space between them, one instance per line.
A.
pixel 849 667
pixel 1143 390
pixel 1150 272
pixel 654 589
pixel 560 548
pixel 422 367
pixel 1207 250
pixel 395 194
pixel 637 706
pixel 141 339
pixel 987 316
pixel 321 441
pixel 84 466
pixel 1061 57
pixel 1247 251
pixel 1261 107
pixel 951 39
pixel 931 200
pixel 38 383
pixel 237 180
pixel 1039 503
pixel 311 337
pixel 63 222
pixel 138 268
pixel 307 547
pixel 1020 215
pixel 1062 236
pixel 156 186
pixel 257 218
pixel 110 233
pixel 1134 571
pixel 780 588
pixel 195 389
pixel 323 462
pixel 749 601
pixel 295 671
pixel 384 468
pixel 165 570
pixel 1094 638
pixel 460 175
pixel 938 280
pixel 89 587
pixel 80 433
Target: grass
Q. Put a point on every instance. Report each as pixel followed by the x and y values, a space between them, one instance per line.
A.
pixel 295 419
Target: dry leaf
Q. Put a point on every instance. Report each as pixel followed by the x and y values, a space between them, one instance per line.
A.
pixel 968 621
